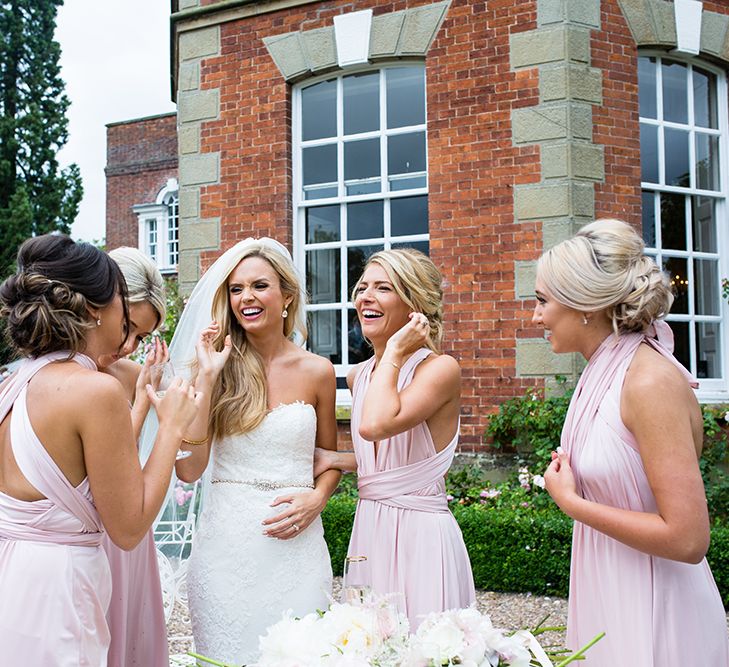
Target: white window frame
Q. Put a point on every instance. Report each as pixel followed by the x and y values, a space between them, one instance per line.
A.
pixel 710 390
pixel 300 204
pixel 166 258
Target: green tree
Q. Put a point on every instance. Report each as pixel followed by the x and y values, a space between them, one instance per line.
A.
pixel 36 195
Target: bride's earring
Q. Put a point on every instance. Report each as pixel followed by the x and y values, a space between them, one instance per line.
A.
pixel 285 313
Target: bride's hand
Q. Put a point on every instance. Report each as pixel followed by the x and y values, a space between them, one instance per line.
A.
pixel 301 510
pixel 157 354
pixel 210 361
pixel 324 459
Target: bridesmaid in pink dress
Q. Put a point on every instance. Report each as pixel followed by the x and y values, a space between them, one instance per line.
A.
pixel 627 472
pixel 136 614
pixel 61 476
pixel 405 420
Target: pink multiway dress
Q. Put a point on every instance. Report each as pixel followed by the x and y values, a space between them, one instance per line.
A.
pixel 54 576
pixel 655 612
pixel 136 615
pixel 414 547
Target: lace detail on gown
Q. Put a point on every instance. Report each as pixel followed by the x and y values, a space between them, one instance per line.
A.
pixel 240 581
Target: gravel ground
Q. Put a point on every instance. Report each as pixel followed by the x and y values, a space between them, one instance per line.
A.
pixel 507 610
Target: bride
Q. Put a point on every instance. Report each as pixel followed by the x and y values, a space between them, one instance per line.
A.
pixel 259 547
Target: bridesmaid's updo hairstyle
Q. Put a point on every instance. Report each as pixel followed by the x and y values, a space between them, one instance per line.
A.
pixel 603 267
pixel 417 282
pixel 143 279
pixel 45 304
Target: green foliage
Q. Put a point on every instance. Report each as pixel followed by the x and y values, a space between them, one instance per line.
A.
pixel 515 549
pixel 518 551
pixel 175 305
pixel 36 196
pixel 531 424
pixel 718 558
pixel 338 517
pixel 713 457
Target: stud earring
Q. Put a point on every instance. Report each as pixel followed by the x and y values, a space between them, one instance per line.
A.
pixel 98 321
pixel 285 313
pixel 584 320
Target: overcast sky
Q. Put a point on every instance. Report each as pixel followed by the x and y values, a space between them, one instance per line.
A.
pixel 115 62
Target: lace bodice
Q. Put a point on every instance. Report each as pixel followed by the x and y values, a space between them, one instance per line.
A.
pixel 280 449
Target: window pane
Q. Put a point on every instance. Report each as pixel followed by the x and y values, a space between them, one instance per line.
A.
pixel 681 347
pixel 405 96
pixel 356 260
pixel 648 153
pixel 647 87
pixel 361 103
pixel 365 220
pixel 676 152
pixel 319 111
pixel 423 246
pixel 322 275
pixel 359 348
pixel 325 334
pixel 704 223
pixel 673 221
pixel 400 183
pixel 704 98
pixel 409 215
pixel 649 219
pixel 707 162
pixel 677 270
pixel 708 350
pixel 322 224
pixel 406 153
pixel 362 163
pixel 706 287
pixel 320 164
pixel 675 92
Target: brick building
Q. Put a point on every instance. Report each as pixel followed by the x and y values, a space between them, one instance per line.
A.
pixel 480 131
pixel 141 187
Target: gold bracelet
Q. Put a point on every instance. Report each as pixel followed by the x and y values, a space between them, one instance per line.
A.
pixel 195 442
pixel 392 363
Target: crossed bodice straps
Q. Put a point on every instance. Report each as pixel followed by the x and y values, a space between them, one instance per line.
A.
pixel 397 487
pixel 67 514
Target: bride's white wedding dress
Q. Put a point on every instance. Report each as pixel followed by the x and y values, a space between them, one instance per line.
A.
pixel 239 581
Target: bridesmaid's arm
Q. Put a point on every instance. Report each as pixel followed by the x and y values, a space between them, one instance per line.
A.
pixel 326 431
pixel 665 434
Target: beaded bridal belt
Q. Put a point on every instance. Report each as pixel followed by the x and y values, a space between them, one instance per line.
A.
pixel 265 484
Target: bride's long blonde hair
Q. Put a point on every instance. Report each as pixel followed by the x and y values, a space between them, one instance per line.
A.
pixel 239 401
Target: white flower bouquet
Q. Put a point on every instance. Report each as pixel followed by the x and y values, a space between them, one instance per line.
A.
pixel 372 633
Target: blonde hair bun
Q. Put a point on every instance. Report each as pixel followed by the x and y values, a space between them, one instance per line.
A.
pixel 603 267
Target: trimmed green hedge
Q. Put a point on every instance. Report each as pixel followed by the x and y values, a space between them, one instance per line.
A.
pixel 512 550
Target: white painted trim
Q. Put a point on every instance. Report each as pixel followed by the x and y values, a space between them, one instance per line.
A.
pixel 710 389
pixel 352 35
pixel 688 26
pixel 299 204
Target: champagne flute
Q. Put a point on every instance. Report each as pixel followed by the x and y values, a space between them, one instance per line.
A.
pixel 355 582
pixel 163 374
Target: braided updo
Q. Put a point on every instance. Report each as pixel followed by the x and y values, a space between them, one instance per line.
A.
pixel 603 267
pixel 45 303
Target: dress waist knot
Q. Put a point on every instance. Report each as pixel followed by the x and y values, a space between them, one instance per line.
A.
pixel 397 487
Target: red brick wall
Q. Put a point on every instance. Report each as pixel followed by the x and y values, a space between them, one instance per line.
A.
pixel 473 168
pixel 141 155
